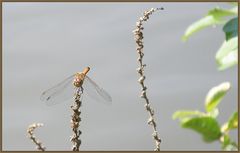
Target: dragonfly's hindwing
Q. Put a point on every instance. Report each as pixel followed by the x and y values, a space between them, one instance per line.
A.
pixel 95 92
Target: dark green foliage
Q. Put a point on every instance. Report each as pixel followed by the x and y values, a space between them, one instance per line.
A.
pixel 231 28
pixel 208 127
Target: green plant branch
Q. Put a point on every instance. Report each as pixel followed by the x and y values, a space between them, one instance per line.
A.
pixel 206 124
pixel 30 131
pixel 139 41
pixel 226 57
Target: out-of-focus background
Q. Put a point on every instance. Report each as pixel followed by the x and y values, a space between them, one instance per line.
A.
pixel 44 43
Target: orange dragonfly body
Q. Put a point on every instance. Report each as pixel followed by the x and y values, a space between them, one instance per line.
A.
pixel 66 89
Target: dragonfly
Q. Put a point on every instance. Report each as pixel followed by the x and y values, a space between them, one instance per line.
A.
pixel 80 81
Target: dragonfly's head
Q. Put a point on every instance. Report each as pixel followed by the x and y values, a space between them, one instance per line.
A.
pixel 79 77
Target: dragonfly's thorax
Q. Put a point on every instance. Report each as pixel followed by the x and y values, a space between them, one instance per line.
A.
pixel 78 80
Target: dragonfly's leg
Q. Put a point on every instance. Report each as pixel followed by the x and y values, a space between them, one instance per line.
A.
pixel 81 89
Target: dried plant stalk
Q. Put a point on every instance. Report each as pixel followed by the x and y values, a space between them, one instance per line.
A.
pixel 75 139
pixel 30 131
pixel 138 34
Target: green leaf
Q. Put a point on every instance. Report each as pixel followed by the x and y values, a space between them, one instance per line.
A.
pixel 219 13
pixel 183 114
pixel 214 17
pixel 227 55
pixel 215 95
pixel 214 113
pixel 225 140
pixel 199 25
pixel 231 28
pixel 208 127
pixel 227 144
pixel 233 121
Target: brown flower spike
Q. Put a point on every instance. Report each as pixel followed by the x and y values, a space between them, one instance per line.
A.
pixel 139 41
pixel 75 139
pixel 30 131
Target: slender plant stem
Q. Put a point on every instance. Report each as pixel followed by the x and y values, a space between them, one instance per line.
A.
pixel 138 34
pixel 30 131
pixel 75 121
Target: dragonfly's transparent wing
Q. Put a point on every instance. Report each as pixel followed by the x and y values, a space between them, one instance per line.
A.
pixel 60 92
pixel 95 92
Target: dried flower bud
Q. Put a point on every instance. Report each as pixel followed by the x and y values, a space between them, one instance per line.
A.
pixel 150 120
pixel 155 135
pixel 143 94
pixel 151 111
pixel 139 70
pixel 147 106
pixel 141 79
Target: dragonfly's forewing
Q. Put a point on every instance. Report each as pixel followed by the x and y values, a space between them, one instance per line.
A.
pixel 60 92
pixel 95 92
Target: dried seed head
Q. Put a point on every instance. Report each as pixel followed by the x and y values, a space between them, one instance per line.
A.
pixel 141 79
pixel 30 131
pixel 138 36
pixel 150 120
pixel 155 134
pixel 143 94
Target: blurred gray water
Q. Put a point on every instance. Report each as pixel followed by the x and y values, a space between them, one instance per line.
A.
pixel 44 43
